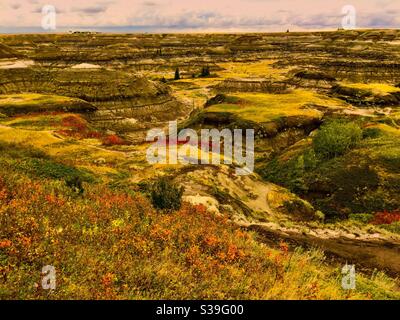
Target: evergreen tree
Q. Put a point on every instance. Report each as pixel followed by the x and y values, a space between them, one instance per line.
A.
pixel 205 71
pixel 177 74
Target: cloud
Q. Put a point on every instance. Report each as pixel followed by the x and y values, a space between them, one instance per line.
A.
pixel 149 3
pixel 90 10
pixel 218 15
pixel 15 6
pixel 381 21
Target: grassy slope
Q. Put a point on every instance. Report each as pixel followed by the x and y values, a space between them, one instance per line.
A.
pixel 110 244
pixel 262 107
pixel 14 104
pixel 375 88
pixel 257 69
pixel 364 180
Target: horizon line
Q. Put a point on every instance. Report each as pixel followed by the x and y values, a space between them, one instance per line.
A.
pixel 170 30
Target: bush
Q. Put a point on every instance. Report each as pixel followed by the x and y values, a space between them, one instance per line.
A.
pixel 113 140
pixel 165 195
pixel 371 133
pixel 205 72
pixel 302 210
pixel 361 217
pixel 336 138
pixel 393 227
pixel 75 183
pixel 386 217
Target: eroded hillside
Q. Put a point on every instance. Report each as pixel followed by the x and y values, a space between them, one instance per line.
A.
pixel 74 113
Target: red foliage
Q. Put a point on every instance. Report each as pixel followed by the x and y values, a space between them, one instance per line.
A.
pixel 284 247
pixel 386 217
pixel 113 140
pixel 77 128
pixel 74 122
pixel 110 200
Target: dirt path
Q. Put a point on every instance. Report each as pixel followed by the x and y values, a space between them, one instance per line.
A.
pixel 367 254
pixel 354 246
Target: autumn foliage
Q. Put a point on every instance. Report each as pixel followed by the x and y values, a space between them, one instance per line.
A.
pixel 110 244
pixel 76 127
pixel 113 140
pixel 386 217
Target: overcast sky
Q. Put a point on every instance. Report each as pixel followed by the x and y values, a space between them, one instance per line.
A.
pixel 198 15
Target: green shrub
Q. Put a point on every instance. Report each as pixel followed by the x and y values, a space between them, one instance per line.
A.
pixel 75 183
pixel 205 72
pixel 310 160
pixel 371 133
pixel 296 176
pixel 393 227
pixel 336 138
pixel 361 217
pixel 165 195
pixel 301 210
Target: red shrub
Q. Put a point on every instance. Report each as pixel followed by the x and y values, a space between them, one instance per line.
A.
pixel 93 135
pixel 113 140
pixel 77 128
pixel 386 217
pixel 74 122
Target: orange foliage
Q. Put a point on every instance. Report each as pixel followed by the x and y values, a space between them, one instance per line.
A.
pixel 52 199
pixel 5 243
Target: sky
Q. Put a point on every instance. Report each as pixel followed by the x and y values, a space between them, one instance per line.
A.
pixel 196 15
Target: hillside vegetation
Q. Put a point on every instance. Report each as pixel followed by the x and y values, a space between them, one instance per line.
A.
pixel 109 244
pixel 78 193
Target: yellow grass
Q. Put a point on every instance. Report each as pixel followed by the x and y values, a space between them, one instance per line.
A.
pixel 262 107
pixel 375 88
pixel 259 69
pixel 31 98
pixel 55 146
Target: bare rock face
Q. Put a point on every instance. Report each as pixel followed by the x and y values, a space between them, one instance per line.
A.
pixel 6 52
pixel 311 79
pixel 366 98
pixel 116 95
pixel 252 85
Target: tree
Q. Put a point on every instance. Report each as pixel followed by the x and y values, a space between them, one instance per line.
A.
pixel 205 72
pixel 177 74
